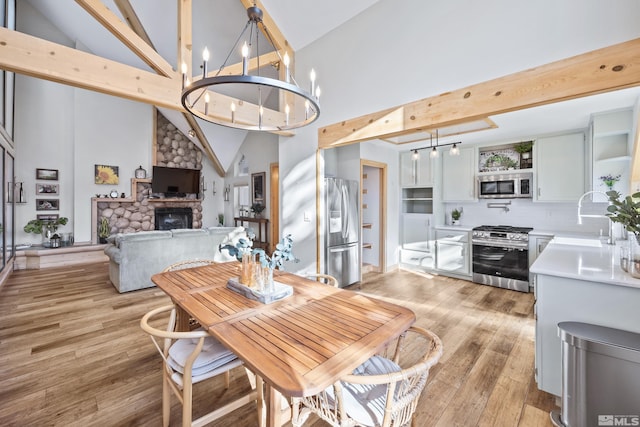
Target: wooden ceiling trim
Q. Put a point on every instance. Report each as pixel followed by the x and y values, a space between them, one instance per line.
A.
pixel 126 35
pixel 277 37
pixel 35 57
pixel 185 35
pixel 129 14
pixel 603 70
pixel 208 150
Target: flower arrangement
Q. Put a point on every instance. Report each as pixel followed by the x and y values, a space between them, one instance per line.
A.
pixel 282 253
pixel 257 208
pixel 625 211
pixel 609 180
pixel 37 226
pixel 242 247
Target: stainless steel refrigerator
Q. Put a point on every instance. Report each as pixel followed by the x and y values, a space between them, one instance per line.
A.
pixel 342 230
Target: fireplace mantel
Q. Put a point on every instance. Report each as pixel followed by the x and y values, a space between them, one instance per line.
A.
pixel 140 189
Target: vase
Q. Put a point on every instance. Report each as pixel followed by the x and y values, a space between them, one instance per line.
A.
pixel 246 272
pixel 634 255
pixel 268 285
pixel 48 230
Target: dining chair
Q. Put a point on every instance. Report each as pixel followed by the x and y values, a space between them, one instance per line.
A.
pixel 383 391
pixel 324 278
pixel 189 358
pixel 190 263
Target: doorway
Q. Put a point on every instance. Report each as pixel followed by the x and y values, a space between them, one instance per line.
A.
pixel 373 182
pixel 274 202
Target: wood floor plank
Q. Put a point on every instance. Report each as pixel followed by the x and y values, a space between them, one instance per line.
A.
pixel 72 353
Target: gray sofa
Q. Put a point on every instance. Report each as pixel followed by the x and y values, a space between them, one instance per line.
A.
pixel 135 257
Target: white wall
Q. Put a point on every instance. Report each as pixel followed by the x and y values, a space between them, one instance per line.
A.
pixel 71 130
pixel 397 52
pixel 260 150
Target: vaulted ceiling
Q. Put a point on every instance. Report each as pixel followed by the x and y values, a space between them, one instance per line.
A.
pixel 131 50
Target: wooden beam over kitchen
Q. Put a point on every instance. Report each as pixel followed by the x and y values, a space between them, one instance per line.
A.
pixel 603 70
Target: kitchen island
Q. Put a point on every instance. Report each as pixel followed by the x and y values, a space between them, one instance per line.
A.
pixel 579 280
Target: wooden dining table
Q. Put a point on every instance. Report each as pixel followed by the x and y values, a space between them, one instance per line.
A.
pixel 298 345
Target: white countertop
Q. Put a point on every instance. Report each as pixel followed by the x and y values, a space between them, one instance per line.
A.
pixel 454 227
pixel 588 263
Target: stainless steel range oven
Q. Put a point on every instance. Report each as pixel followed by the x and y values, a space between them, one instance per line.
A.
pixel 501 256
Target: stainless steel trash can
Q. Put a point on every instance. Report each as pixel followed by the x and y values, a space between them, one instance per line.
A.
pixel 600 376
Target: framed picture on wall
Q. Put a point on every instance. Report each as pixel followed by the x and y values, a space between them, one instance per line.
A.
pixel 47 204
pixel 105 174
pixel 257 187
pixel 48 174
pixel 47 188
pixel 47 217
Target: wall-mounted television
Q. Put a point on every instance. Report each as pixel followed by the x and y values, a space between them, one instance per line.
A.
pixel 175 181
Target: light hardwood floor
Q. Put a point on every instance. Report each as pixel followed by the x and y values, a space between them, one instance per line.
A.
pixel 72 353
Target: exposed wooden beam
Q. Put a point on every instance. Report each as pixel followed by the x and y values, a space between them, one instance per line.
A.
pixel 277 37
pixel 127 36
pixel 185 30
pixel 193 123
pixel 25 54
pixel 35 57
pixel 129 14
pixel 603 70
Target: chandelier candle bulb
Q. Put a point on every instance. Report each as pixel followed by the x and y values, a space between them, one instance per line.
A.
pixel 286 67
pixel 306 110
pixel 205 58
pixel 245 59
pixel 261 110
pixel 312 76
pixel 206 103
pixel 233 112
pixel 318 93
pixel 184 75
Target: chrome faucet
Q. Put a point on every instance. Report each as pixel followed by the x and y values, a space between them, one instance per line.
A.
pixel 610 238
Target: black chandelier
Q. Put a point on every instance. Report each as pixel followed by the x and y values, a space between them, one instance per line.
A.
pixel 239 100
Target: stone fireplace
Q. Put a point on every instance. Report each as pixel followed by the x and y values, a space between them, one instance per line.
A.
pixel 172 218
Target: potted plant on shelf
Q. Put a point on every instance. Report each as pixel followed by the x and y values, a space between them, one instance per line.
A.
pixel 47 228
pixel 455 216
pixel 104 230
pixel 524 149
pixel 221 219
pixel 257 209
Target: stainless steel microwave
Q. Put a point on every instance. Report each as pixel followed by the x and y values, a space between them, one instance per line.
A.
pixel 507 186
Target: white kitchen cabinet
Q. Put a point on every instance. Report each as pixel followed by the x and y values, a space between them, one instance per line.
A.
pixel 417 200
pixel 537 243
pixel 453 252
pixel 458 175
pixel 418 244
pixel 612 146
pixel 561 299
pixel 560 168
pixel 415 172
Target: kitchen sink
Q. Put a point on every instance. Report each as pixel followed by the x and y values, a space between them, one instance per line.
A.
pixel 577 241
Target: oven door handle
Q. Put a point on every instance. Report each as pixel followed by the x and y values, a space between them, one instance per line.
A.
pixel 502 245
